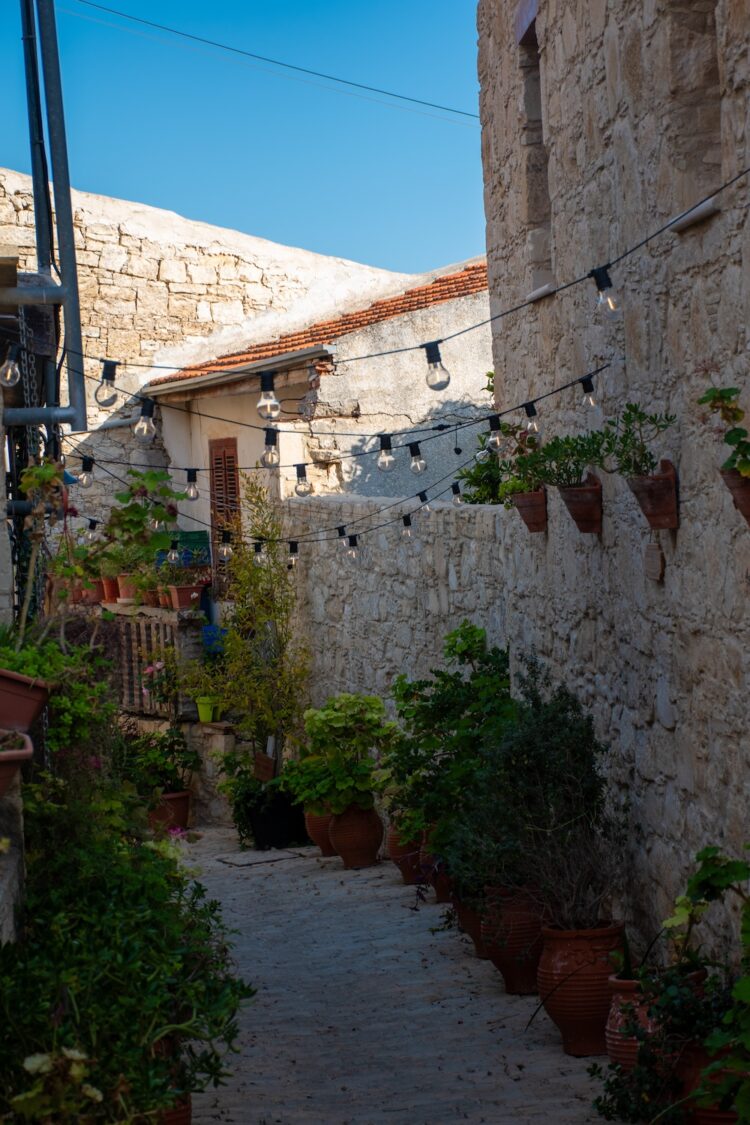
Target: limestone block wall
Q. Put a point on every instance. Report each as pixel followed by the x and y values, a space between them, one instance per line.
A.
pixel 643 110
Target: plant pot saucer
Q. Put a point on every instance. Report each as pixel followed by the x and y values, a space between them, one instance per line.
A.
pixel 126 601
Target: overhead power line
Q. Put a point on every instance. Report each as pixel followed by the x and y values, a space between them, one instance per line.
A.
pixel 278 62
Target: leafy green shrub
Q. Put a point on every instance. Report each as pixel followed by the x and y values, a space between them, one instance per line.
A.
pixel 157 762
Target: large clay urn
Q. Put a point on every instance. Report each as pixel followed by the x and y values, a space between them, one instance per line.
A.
pixel 470 921
pixel 512 936
pixel 404 855
pixel 357 834
pixel 573 980
pixel 318 829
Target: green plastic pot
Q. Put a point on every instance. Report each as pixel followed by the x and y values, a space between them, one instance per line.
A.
pixel 206 705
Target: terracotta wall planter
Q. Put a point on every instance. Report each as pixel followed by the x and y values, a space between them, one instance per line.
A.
pixel 573 976
pixel 512 936
pixel 585 505
pixel 405 856
pixel 126 586
pixel 318 829
pixel 173 811
pixel 739 486
pixel 22 700
pixel 357 834
pixel 532 508
pixel 110 590
pixel 12 760
pixel 657 497
pixel 185 597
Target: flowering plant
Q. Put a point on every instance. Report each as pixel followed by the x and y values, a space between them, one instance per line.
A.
pixel 159 680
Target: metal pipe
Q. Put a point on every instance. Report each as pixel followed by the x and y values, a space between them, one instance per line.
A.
pixel 40 181
pixel 38 415
pixel 63 211
pixel 33 294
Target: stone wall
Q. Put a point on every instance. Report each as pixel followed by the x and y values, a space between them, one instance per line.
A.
pixel 643 110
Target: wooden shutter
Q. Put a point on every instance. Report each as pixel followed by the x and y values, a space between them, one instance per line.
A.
pixel 225 484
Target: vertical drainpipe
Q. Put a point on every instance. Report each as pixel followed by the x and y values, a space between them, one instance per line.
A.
pixel 63 211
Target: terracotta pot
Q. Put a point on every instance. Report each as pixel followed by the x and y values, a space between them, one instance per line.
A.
pixel 739 486
pixel 585 505
pixel 657 496
pixel 126 586
pixel 151 598
pixel 623 1048
pixel 165 600
pixel 93 594
pixel 692 1061
pixel 405 856
pixel 433 872
pixel 512 936
pixel 470 921
pixel 111 590
pixel 318 829
pixel 574 969
pixel 357 834
pixel 173 811
pixel 11 760
pixel 22 700
pixel 186 597
pixel 532 508
pixel 181 1114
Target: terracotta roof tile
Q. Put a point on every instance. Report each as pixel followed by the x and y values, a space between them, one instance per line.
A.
pixel 472 279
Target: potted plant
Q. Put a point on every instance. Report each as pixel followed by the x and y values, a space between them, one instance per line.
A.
pixel 626 449
pixel 735 472
pixel 205 682
pixel 308 780
pixel 264 812
pixel 15 749
pixel 564 463
pixel 160 765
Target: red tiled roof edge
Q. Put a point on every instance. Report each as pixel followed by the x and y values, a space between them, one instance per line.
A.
pixel 472 279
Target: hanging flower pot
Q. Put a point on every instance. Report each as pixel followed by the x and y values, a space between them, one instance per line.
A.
pixel 173 811
pixel 15 749
pixel 186 597
pixel 110 590
pixel 470 921
pixel 532 508
pixel 573 977
pixel 405 856
pixel 584 502
pixel 739 486
pixel 22 699
pixel 126 587
pixel 318 829
pixel 512 936
pixel 657 497
pixel 357 834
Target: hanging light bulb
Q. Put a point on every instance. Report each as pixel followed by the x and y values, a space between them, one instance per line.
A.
pixel 342 535
pixel 587 386
pixel 270 456
pixel 107 394
pixel 226 550
pixel 144 429
pixel 607 301
pixel 293 553
pixel 191 492
pixel 495 440
pixel 406 529
pixel 386 460
pixel 418 463
pixel 438 376
pixel 86 475
pixel 352 551
pixel 425 509
pixel 158 524
pixel 173 554
pixel 259 556
pixel 456 490
pixel 269 406
pixel 90 533
pixel 533 425
pixel 10 371
pixel 482 455
pixel 303 486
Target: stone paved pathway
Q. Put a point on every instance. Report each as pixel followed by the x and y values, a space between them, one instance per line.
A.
pixel 363 1016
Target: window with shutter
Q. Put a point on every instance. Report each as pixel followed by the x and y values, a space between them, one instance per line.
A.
pixel 225 484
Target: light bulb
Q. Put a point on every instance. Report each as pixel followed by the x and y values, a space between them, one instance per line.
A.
pixel 352 551
pixel 191 492
pixel 173 554
pixel 587 384
pixel 386 461
pixel 607 301
pixel 269 406
pixel 406 529
pixel 258 557
pixel 226 550
pixel 10 372
pixel 158 524
pixel 342 536
pixel 425 509
pixel 303 486
pixel 438 377
pixel 90 533
pixel 532 424
pixel 293 554
pixel 270 456
pixel 107 394
pixel 495 440
pixel 86 475
pixel 456 490
pixel 144 429
pixel 482 455
pixel 418 463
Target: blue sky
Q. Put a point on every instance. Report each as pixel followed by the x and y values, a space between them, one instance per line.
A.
pixel 238 144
